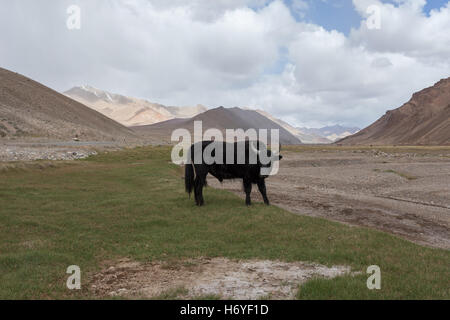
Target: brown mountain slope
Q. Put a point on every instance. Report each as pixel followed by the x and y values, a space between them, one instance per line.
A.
pixel 29 109
pixel 424 120
pixel 222 119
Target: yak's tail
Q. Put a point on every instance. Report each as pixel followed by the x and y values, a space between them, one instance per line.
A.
pixel 189 177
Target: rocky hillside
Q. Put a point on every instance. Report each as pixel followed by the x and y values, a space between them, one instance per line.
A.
pixel 423 120
pixel 29 109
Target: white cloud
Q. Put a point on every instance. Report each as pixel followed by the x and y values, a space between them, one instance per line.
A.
pixel 407 30
pixel 232 53
pixel 300 7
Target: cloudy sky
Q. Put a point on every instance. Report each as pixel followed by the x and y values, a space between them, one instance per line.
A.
pixel 309 62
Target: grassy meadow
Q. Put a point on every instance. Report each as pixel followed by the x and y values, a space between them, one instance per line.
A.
pixel 132 203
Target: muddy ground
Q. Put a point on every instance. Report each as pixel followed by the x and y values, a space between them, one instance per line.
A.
pixel 204 277
pixel 404 193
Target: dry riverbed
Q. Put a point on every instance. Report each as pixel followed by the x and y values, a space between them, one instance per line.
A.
pixel 406 193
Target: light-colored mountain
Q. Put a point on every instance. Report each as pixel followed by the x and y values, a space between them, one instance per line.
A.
pixel 220 118
pixel 29 109
pixel 424 120
pixel 324 135
pixel 300 134
pixel 127 110
pixel 331 133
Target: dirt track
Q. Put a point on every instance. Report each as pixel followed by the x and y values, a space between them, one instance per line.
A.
pixel 407 194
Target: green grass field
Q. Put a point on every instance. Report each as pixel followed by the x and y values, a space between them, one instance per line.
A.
pixel 132 204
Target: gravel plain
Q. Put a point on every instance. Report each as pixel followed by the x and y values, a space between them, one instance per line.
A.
pixel 403 193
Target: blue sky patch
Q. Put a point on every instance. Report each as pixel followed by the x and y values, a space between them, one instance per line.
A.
pixel 341 15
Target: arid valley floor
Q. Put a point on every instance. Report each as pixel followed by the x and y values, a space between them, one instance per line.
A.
pixel 123 216
pixel 401 190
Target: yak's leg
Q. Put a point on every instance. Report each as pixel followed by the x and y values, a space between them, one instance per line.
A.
pixel 200 192
pixel 201 172
pixel 196 190
pixel 248 191
pixel 201 182
pixel 262 189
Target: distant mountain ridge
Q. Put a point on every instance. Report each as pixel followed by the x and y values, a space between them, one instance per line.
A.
pixel 300 134
pixel 135 112
pixel 220 118
pixel 127 110
pixel 331 133
pixel 323 135
pixel 423 120
pixel 29 109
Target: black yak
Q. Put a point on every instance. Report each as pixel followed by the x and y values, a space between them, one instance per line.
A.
pixel 250 161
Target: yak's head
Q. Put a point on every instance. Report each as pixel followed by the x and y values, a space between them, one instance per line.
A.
pixel 266 158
